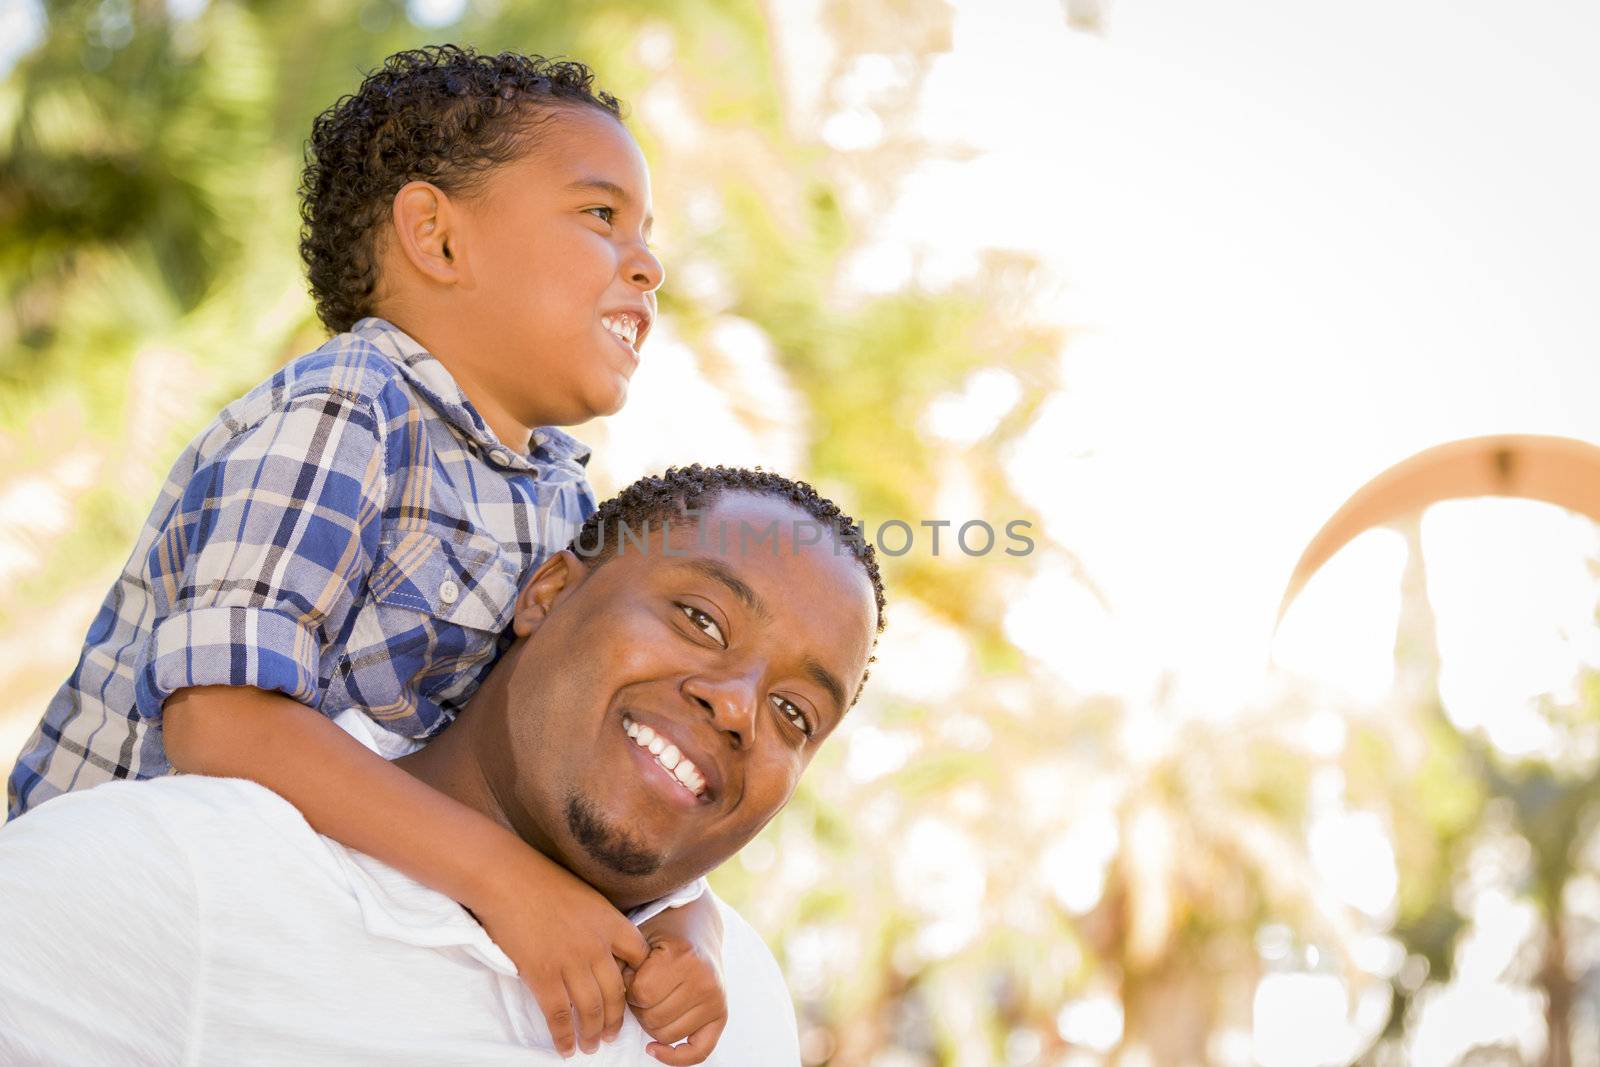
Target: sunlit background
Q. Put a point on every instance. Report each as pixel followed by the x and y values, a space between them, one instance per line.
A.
pixel 1168 280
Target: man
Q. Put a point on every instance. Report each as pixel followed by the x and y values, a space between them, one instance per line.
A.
pixel 201 920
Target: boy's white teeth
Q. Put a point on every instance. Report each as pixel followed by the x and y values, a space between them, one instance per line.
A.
pixel 624 326
pixel 667 754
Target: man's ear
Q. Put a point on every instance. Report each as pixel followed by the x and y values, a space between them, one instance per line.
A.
pixel 552 583
pixel 426 230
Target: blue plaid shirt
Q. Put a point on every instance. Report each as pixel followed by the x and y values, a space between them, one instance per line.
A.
pixel 350 533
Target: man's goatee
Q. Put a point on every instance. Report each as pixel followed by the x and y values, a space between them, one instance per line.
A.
pixel 606 843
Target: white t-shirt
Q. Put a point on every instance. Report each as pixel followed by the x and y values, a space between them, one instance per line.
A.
pixel 194 920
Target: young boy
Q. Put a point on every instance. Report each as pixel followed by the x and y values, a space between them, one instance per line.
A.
pixel 346 542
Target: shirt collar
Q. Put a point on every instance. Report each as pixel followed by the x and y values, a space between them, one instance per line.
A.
pixel 433 380
pixel 399 908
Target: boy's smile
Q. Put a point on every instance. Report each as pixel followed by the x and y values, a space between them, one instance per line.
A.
pixel 536 288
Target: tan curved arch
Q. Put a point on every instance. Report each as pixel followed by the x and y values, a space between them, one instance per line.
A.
pixel 1556 470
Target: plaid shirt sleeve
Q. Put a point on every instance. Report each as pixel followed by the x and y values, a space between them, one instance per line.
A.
pixel 256 567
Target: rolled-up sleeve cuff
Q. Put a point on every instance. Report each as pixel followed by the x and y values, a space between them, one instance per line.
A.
pixel 675 899
pixel 227 646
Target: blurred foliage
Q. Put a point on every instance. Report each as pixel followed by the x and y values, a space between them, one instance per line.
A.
pixel 964 865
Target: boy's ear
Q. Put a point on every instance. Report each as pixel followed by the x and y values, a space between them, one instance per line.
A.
pixel 552 583
pixel 425 226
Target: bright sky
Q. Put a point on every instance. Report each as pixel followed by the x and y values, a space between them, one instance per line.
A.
pixel 1305 240
pixel 1297 242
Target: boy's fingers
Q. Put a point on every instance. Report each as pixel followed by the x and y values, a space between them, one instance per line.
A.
pixel 695 1050
pixel 676 1004
pixel 551 996
pixel 653 985
pixel 678 1027
pixel 609 978
pixel 589 1008
pixel 628 944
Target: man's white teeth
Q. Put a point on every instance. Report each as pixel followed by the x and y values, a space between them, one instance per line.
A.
pixel 668 756
pixel 623 326
pixel 686 774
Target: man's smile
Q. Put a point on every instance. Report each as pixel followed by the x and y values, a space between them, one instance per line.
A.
pixel 682 772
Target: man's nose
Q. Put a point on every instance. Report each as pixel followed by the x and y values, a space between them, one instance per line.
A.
pixel 731 699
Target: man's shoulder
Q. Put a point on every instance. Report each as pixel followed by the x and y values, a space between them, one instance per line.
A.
pixel 218 838
pixel 761 1021
pixel 176 813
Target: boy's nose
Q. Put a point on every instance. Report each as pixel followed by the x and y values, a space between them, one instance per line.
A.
pixel 644 270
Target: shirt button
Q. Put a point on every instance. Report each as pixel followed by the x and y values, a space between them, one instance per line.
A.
pixel 500 456
pixel 449 591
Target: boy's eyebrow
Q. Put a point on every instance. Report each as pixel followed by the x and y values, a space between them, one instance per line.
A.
pixel 721 573
pixel 601 185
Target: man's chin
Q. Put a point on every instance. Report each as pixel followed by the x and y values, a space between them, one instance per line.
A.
pixel 608 844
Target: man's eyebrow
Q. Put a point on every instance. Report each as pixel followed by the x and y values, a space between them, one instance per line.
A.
pixel 610 188
pixel 718 571
pixel 823 677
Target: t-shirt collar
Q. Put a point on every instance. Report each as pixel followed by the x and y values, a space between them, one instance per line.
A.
pixel 434 381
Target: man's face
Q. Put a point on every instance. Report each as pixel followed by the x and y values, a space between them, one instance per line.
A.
pixel 562 281
pixel 741 658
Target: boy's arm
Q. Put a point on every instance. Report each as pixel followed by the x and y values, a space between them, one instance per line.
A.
pixel 560 932
pixel 678 994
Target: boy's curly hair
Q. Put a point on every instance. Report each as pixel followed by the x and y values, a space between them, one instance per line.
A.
pixel 443 114
pixel 671 496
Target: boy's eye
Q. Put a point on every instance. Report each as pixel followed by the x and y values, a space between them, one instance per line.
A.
pixel 705 622
pixel 604 214
pixel 793 713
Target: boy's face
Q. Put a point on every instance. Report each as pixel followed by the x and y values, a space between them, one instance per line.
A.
pixel 560 286
pixel 744 656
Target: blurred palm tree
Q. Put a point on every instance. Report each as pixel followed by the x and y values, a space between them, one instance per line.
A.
pixel 1438 786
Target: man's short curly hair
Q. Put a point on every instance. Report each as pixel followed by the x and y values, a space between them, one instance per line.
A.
pixel 442 114
pixel 670 497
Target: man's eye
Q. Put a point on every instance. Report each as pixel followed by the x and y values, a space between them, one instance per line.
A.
pixel 793 713
pixel 706 623
pixel 604 214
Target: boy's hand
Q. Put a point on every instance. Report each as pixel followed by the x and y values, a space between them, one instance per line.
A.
pixel 677 993
pixel 566 940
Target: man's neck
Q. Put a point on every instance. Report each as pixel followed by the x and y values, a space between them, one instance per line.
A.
pixel 447 765
pixel 452 761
